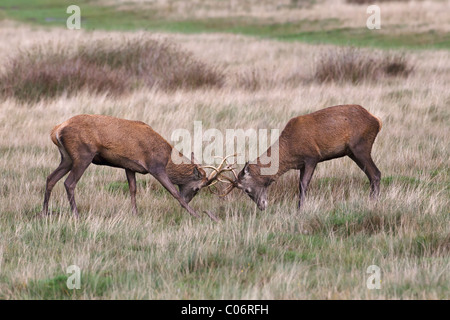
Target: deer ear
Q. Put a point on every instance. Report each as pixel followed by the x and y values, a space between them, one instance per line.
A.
pixel 246 170
pixel 197 174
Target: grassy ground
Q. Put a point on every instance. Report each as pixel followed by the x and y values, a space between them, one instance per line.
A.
pixel 423 25
pixel 322 252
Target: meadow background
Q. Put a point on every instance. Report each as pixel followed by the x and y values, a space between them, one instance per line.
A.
pixel 230 64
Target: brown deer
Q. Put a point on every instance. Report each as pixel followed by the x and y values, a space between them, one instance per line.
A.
pixel 131 145
pixel 345 130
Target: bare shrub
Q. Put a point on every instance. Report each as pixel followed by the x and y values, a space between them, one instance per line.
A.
pixel 103 66
pixel 31 77
pixel 156 62
pixel 353 65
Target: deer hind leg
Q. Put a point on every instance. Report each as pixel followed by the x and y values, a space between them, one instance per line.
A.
pixel 306 174
pixel 131 177
pixel 361 155
pixel 55 176
pixel 78 167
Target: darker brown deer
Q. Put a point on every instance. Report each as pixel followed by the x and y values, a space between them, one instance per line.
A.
pixel 345 130
pixel 131 145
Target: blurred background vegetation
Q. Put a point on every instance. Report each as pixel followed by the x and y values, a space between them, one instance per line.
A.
pixel 314 21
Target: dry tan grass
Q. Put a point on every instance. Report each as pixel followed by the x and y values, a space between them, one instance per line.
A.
pixel 415 15
pixel 322 252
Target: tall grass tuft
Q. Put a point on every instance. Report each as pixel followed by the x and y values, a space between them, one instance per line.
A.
pixel 34 75
pixel 355 66
pixel 104 67
pixel 158 63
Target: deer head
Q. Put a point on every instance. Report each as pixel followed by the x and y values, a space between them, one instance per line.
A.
pixel 249 180
pixel 189 177
pixel 254 184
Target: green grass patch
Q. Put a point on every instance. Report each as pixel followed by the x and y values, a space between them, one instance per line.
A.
pixel 363 37
pixel 57 288
pixel 122 186
pixel 53 13
pixel 410 181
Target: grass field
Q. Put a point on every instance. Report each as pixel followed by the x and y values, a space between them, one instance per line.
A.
pixel 323 251
pixel 423 24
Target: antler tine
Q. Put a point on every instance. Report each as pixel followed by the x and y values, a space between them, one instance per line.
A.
pixel 234 173
pixel 232 169
pixel 229 167
pixel 217 175
pixel 212 172
pixel 216 171
pixel 227 180
pixel 224 166
pixel 227 190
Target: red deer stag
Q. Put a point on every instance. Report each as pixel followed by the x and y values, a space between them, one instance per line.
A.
pixel 345 130
pixel 131 145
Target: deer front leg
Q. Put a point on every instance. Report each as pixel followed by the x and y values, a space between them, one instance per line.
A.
pixel 160 174
pixel 131 177
pixel 306 174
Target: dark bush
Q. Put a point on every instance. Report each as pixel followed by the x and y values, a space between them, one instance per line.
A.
pixel 353 65
pixel 103 66
pixel 156 62
pixel 32 78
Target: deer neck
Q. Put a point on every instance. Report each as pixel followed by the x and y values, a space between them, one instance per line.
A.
pixel 179 174
pixel 279 166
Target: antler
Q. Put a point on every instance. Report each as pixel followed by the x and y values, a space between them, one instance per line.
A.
pixel 226 191
pixel 216 175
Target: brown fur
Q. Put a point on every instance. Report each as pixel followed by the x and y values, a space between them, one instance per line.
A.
pixel 131 145
pixel 345 130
